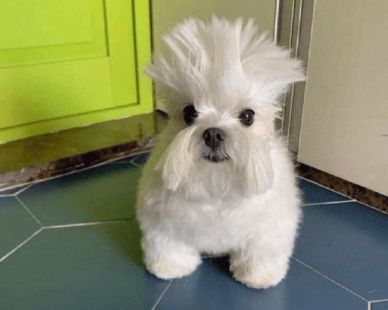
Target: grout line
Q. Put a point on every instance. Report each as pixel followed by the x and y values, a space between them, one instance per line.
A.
pixel 21 244
pixel 134 155
pixel 135 164
pixel 327 203
pixel 371 207
pixel 330 189
pixel 162 295
pixel 22 190
pixel 28 210
pixel 325 187
pixel 23 186
pixel 379 300
pixel 85 224
pixel 330 279
pixel 57 226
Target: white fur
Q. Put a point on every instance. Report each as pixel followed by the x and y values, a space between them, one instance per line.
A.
pixel 247 206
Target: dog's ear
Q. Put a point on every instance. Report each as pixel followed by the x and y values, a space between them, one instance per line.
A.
pixel 271 67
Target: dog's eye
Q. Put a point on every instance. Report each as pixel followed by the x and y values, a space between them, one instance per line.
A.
pixel 247 117
pixel 189 114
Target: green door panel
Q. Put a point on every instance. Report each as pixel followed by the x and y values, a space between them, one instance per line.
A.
pixel 36 31
pixel 36 93
pixel 122 50
pixel 67 63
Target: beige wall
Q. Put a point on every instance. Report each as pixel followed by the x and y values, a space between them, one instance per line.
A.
pixel 345 117
pixel 167 13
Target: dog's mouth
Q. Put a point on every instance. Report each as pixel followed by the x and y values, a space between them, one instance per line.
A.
pixel 215 154
pixel 216 158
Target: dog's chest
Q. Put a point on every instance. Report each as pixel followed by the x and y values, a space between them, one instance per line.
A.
pixel 216 226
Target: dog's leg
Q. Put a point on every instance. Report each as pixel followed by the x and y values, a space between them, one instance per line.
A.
pixel 263 261
pixel 168 258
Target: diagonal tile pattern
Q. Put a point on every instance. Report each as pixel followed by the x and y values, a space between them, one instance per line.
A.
pixel 104 193
pixel 85 254
pixel 88 267
pixel 351 246
pixel 16 224
pixel 212 287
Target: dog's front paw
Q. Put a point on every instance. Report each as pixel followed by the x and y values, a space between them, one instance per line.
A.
pixel 166 269
pixel 260 277
pixel 174 266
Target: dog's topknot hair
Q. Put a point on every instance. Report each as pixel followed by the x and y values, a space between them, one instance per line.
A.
pixel 201 53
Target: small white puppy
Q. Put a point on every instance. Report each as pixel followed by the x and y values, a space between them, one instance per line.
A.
pixel 220 181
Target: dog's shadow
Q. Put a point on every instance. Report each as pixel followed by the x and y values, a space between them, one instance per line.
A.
pixel 222 263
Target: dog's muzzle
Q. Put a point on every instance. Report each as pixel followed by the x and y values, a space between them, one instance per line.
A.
pixel 214 140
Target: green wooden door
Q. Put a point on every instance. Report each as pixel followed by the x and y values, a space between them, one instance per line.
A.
pixel 66 63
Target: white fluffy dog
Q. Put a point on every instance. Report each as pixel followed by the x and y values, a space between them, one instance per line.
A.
pixel 220 181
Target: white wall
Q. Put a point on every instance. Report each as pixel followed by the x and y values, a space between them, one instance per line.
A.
pixel 345 117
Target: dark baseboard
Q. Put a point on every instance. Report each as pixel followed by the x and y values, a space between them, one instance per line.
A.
pixel 350 189
pixel 46 156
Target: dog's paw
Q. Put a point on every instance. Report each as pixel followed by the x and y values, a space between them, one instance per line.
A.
pixel 260 277
pixel 166 267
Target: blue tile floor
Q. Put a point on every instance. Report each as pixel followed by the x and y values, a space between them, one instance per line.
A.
pixel 72 243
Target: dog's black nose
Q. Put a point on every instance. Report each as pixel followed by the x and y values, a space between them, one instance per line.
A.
pixel 213 137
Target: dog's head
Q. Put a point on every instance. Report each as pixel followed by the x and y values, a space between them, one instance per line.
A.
pixel 221 83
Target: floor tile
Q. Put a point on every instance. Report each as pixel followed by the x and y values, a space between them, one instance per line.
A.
pixel 380 305
pixel 16 224
pixel 104 193
pixel 349 243
pixel 88 267
pixel 212 287
pixel 313 193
